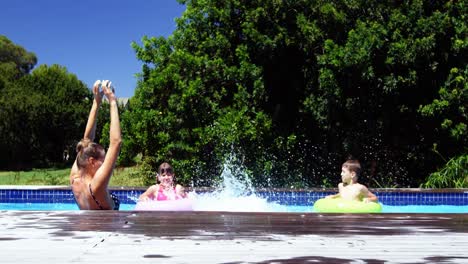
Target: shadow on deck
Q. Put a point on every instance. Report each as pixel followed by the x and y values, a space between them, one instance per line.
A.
pixel 228 237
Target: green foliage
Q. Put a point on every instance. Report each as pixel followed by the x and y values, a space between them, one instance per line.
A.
pixel 54 179
pixel 41 112
pixel 192 98
pixel 294 87
pixel 129 176
pixel 15 61
pixel 52 176
pixel 146 169
pixel 452 105
pixel 453 175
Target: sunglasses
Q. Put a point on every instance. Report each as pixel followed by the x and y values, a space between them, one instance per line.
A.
pixel 165 170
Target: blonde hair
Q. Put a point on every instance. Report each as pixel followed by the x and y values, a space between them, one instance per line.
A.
pixel 353 166
pixel 87 149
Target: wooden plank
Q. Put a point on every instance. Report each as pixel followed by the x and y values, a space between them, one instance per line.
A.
pixel 230 237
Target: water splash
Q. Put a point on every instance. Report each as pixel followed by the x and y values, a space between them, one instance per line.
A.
pixel 234 181
pixel 133 196
pixel 234 193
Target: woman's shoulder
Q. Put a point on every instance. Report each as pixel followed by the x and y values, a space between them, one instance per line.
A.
pixel 74 170
pixel 74 175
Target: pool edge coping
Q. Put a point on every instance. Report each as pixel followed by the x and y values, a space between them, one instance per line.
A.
pixel 202 189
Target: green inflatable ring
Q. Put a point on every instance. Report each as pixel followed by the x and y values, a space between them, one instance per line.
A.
pixel 338 205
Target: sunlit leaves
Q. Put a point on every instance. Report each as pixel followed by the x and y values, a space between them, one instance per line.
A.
pixel 302 84
pixel 452 104
pixel 43 115
pixel 15 61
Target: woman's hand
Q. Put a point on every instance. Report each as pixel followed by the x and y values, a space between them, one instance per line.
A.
pixel 96 91
pixel 108 90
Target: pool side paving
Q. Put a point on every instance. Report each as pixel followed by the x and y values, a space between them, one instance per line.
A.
pixel 230 237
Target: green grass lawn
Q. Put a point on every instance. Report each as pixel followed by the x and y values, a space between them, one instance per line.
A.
pixel 128 176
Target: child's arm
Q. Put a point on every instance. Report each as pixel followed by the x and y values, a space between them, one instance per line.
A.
pixel 180 191
pixel 333 196
pixel 369 196
pixel 149 193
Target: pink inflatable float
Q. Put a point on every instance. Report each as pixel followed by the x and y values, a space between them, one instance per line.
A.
pixel 169 205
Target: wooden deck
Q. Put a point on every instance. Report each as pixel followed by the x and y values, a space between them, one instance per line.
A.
pixel 226 237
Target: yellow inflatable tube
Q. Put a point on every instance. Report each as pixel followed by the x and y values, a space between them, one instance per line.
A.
pixel 338 205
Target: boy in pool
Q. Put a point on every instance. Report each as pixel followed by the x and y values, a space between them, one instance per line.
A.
pixel 349 188
pixel 165 190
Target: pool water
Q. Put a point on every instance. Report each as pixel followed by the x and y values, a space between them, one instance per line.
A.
pixel 445 209
pixel 236 194
pixel 275 208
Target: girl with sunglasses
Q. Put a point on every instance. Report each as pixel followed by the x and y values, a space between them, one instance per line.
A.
pixel 165 190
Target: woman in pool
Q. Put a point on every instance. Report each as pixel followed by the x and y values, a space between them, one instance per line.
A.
pixel 92 170
pixel 165 190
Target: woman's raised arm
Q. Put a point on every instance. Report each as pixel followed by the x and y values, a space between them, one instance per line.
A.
pixel 90 131
pixel 102 176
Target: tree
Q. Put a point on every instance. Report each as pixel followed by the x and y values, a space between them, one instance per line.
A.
pixel 294 87
pixel 42 113
pixel 15 61
pixel 450 110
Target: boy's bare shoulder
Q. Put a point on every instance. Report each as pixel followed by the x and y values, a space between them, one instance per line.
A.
pixel 362 186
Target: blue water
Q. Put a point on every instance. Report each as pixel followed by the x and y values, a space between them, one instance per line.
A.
pixel 50 206
pixel 462 209
pixel 274 208
pixel 236 194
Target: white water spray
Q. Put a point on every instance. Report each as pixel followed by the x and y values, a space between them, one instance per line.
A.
pixel 234 194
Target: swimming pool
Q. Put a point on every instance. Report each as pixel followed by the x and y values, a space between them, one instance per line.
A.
pixel 277 200
pixel 288 208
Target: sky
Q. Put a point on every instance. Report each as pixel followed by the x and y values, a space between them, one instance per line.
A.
pixel 91 38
